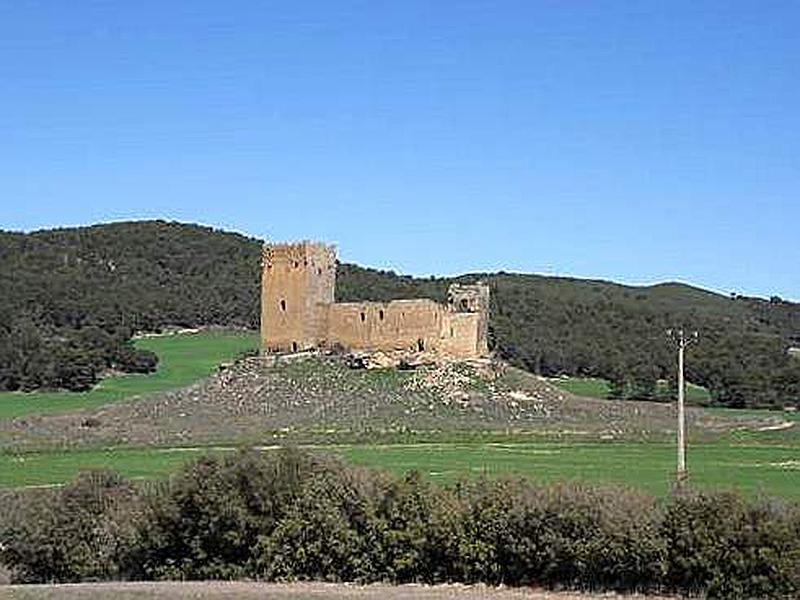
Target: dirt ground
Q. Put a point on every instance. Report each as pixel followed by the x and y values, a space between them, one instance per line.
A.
pixel 295 591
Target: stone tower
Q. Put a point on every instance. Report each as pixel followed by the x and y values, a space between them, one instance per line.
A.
pixel 472 298
pixel 297 287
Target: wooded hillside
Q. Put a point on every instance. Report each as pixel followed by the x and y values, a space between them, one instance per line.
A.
pixel 71 298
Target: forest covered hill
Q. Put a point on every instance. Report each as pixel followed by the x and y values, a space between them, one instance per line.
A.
pixel 72 298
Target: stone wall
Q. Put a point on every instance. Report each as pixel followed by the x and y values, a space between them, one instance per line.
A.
pixel 397 325
pixel 461 336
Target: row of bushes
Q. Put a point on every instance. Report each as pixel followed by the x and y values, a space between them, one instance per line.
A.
pixel 290 515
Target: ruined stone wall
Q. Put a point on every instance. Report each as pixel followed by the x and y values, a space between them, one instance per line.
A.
pixel 298 311
pixel 397 325
pixel 461 335
pixel 414 325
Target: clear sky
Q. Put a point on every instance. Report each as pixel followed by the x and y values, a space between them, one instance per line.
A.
pixel 634 141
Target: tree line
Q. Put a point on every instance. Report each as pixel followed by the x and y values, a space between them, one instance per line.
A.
pixel 289 515
pixel 72 299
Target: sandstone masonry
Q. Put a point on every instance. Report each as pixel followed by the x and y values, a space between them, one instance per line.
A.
pixel 298 311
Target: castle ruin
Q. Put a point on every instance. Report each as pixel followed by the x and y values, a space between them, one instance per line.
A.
pixel 298 311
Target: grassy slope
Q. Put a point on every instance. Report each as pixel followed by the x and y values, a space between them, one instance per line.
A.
pixel 183 359
pixel 593 387
pixel 590 387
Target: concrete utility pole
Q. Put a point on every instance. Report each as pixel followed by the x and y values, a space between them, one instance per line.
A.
pixel 681 342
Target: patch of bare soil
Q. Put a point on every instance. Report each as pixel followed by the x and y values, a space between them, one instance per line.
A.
pixel 321 399
pixel 294 591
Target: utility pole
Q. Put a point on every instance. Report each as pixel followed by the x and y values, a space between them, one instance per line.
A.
pixel 681 341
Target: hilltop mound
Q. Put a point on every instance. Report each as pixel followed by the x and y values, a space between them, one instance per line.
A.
pixel 322 399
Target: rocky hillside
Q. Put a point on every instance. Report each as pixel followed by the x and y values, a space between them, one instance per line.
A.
pixel 323 400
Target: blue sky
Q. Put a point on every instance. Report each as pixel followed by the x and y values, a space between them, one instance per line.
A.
pixel 633 141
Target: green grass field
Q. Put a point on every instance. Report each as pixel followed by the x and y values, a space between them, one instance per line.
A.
pixel 774 470
pixel 750 469
pixel 754 412
pixel 589 387
pixel 593 387
pixel 183 359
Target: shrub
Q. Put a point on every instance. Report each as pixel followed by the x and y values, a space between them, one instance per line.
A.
pixel 563 535
pixel 205 522
pixel 420 531
pixel 329 532
pixel 730 548
pixel 135 360
pixel 75 534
